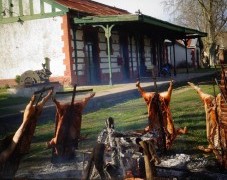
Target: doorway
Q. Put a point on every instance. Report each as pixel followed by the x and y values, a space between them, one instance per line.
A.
pixel 125 55
pixel 92 67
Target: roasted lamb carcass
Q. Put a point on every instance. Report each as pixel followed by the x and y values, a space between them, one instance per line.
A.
pixel 67 128
pixel 216 128
pixel 159 115
pixel 13 147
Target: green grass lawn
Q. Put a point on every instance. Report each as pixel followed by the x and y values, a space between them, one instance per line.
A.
pixel 187 110
pixel 6 101
pixel 186 107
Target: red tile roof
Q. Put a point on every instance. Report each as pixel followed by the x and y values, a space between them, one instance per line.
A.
pixel 91 7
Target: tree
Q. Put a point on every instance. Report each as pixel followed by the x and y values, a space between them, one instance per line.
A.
pixel 205 15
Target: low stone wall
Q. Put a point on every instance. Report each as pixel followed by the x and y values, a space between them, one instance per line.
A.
pixel 29 91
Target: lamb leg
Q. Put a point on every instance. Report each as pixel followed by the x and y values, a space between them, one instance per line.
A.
pixel 146 95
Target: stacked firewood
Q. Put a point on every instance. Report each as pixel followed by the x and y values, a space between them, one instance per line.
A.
pixel 122 155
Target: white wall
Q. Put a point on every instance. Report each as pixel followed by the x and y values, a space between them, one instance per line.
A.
pixel 24 47
pixel 179 54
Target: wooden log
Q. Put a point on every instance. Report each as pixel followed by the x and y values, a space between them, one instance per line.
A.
pixel 148 167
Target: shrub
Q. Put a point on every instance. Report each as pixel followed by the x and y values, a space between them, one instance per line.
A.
pixel 17 79
pixel 6 86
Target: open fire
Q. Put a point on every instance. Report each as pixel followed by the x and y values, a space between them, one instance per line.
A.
pixel 144 150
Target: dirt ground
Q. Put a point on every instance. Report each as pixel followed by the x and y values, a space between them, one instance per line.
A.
pixel 180 166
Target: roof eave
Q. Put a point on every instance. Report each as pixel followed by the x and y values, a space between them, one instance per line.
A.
pixel 164 24
pixel 119 19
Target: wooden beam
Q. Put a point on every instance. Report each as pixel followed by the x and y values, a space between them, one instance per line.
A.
pixel 1 11
pixel 42 7
pixel 21 7
pixel 20 15
pixel 139 19
pixel 53 8
pixel 56 5
pixel 31 7
pixel 28 17
pixel 10 8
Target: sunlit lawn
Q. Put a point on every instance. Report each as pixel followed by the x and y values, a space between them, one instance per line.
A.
pixel 6 100
pixel 186 107
pixel 187 110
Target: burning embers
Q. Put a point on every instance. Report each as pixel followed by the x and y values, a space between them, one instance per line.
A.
pixel 133 154
pixel 122 155
pixel 160 117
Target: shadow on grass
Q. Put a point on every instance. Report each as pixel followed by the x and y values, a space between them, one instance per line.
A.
pixel 43 137
pixel 7 100
pixel 190 118
pixel 195 127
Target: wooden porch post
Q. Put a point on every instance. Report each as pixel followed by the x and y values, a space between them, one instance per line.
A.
pixel 74 29
pixel 174 59
pixel 131 54
pixel 186 53
pixel 137 56
pixel 107 31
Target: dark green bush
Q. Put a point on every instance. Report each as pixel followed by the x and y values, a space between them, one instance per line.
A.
pixel 17 79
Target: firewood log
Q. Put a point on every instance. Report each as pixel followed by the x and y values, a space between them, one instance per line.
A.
pixel 149 164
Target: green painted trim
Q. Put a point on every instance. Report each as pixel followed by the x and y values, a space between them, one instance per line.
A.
pixel 10 8
pixel 33 17
pixel 106 19
pixel 1 15
pixel 130 18
pixel 53 9
pixel 107 29
pixel 31 7
pixel 42 7
pixel 21 7
pixel 170 26
pixel 56 5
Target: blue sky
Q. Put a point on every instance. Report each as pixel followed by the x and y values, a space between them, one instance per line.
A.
pixel 152 8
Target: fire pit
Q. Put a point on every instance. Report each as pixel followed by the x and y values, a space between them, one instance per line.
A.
pixel 179 166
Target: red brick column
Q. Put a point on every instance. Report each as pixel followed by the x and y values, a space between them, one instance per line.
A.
pixel 67 50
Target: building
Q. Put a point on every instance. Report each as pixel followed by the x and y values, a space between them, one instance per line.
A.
pixel 192 49
pixel 87 42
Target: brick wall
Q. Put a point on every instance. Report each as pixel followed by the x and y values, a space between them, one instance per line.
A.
pixel 69 75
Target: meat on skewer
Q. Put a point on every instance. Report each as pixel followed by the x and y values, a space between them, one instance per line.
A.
pixel 160 102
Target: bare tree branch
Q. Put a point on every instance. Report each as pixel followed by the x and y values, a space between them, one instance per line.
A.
pixel 205 15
